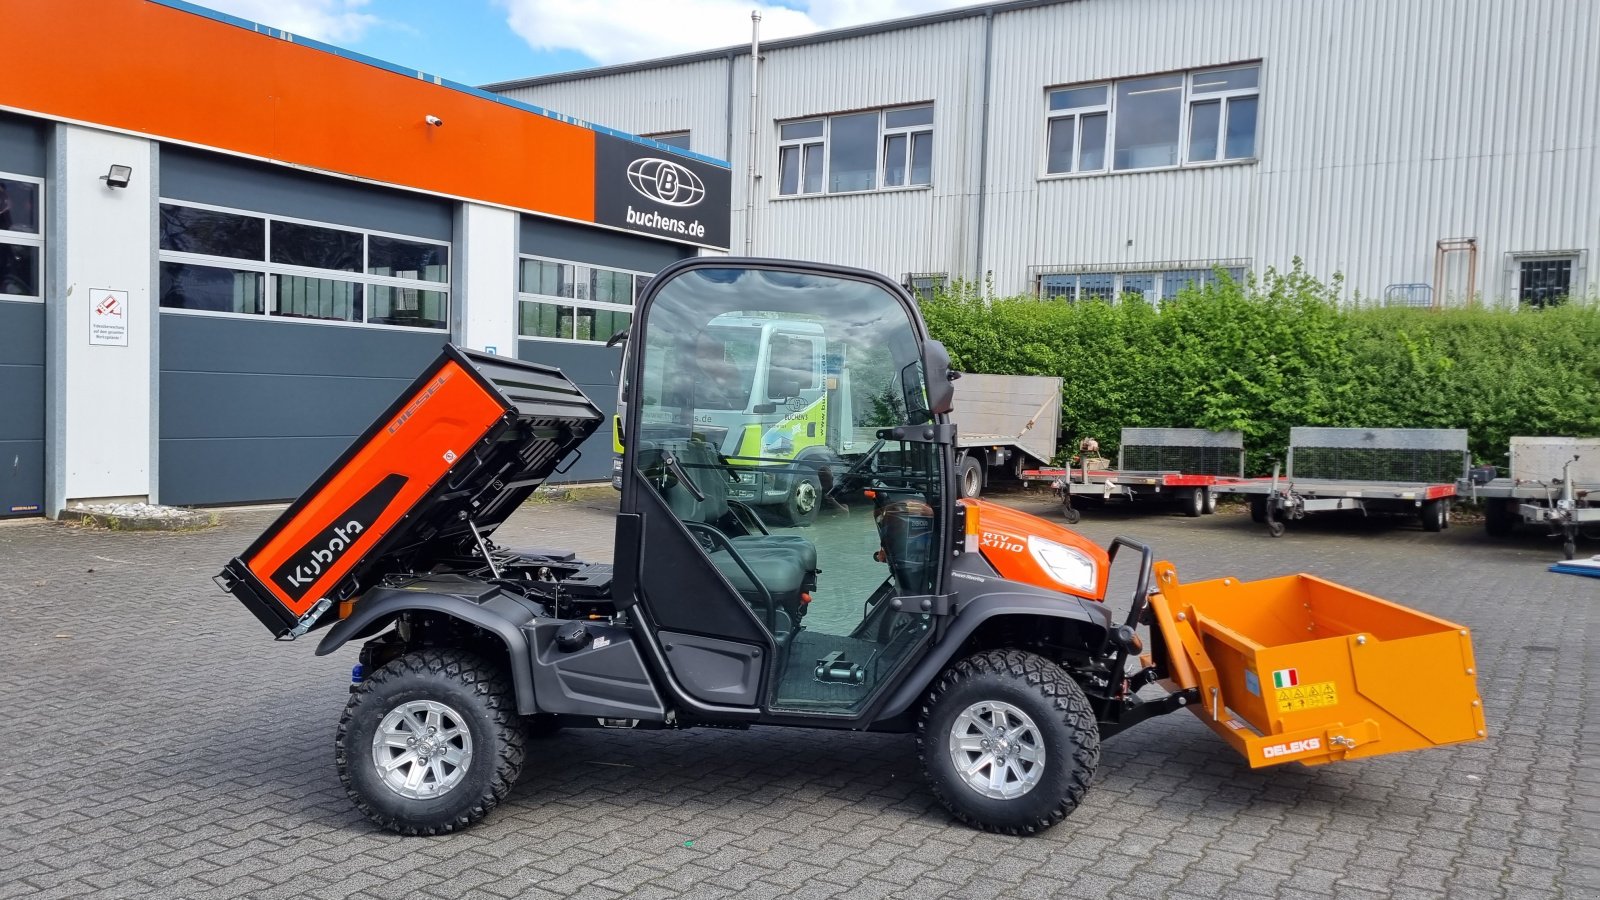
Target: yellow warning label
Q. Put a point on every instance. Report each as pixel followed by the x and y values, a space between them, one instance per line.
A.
pixel 1307 696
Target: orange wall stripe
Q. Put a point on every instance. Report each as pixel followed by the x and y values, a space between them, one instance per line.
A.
pixel 156 70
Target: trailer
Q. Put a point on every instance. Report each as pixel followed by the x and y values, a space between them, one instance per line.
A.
pixel 1411 471
pixel 1005 425
pixel 1554 482
pixel 1179 465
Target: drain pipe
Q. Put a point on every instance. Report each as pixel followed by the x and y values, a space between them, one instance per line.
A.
pixel 727 110
pixel 750 185
pixel 983 141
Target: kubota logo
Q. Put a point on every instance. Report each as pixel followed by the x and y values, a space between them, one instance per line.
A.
pixel 666 182
pixel 320 558
pixel 323 552
pixel 1291 748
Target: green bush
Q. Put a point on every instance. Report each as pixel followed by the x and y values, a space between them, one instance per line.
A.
pixel 1282 350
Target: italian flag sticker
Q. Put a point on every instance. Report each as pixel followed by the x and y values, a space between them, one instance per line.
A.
pixel 1285 678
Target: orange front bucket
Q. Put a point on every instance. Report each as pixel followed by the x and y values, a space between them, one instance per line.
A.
pixel 1298 669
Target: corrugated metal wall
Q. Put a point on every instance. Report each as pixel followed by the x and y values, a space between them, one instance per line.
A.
pixel 1384 127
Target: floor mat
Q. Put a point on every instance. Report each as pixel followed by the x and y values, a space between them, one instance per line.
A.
pixel 799 685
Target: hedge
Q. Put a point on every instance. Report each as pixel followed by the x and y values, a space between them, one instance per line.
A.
pixel 1283 350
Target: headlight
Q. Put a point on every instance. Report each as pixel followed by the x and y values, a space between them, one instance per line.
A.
pixel 1066 565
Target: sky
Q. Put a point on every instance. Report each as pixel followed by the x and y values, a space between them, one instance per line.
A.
pixel 483 41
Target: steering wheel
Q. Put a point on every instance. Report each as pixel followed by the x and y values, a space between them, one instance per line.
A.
pixel 856 468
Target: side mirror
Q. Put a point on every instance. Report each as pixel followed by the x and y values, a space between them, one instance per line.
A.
pixel 941 378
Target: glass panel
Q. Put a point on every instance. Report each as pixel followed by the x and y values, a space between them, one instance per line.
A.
pixel 407 259
pixel 612 287
pixel 1149 114
pixel 853 152
pixel 1225 80
pixel 894 160
pixel 19 270
pixel 408 306
pixel 190 230
pixel 1241 128
pixel 922 158
pixel 1092 149
pixel 679 139
pixel 601 324
pixel 1078 98
pixel 299 297
pixel 1096 287
pixel 215 290
pixel 1139 287
pixel 294 244
pixel 577 283
pixel 797 130
pixel 541 320
pixel 1058 152
pixel 1205 120
pixel 1178 280
pixel 1058 287
pixel 1545 282
pixel 813 173
pixel 789 170
pixel 541 276
pixel 906 118
pixel 19 206
pixel 720 327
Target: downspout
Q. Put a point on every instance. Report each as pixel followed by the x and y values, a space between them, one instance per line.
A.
pixel 750 186
pixel 727 109
pixel 983 142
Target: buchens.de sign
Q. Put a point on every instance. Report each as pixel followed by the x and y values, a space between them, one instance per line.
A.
pixel 108 318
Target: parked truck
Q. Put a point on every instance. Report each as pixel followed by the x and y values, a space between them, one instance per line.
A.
pixel 1005 425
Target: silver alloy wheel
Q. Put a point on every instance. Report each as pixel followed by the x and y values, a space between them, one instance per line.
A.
pixel 997 750
pixel 805 497
pixel 422 749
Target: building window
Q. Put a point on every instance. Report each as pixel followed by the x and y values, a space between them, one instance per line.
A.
pixel 1544 282
pixel 1154 122
pixel 855 152
pixel 678 139
pixel 231 261
pixel 21 237
pixel 1151 284
pixel 570 301
pixel 923 285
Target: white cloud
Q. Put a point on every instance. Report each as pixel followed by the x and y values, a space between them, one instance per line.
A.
pixel 322 20
pixel 617 31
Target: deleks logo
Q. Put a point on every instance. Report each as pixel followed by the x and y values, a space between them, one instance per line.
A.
pixel 666 182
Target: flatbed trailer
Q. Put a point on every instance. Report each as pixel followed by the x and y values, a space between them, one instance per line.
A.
pixel 1180 465
pixel 1383 470
pixel 1554 482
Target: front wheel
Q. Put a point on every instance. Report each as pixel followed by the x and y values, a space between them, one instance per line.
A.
pixel 1009 741
pixel 799 509
pixel 1192 503
pixel 1435 515
pixel 430 742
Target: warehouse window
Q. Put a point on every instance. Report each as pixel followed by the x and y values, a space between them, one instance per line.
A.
pixel 855 152
pixel 1152 284
pixel 924 285
pixel 1546 281
pixel 678 139
pixel 569 301
pixel 21 237
pixel 231 261
pixel 1153 122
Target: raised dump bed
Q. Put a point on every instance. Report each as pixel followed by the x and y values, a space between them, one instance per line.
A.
pixel 1298 669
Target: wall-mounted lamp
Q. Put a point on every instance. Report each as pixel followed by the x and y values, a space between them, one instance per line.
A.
pixel 435 121
pixel 118 177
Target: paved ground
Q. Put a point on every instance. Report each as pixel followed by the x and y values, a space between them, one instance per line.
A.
pixel 157 743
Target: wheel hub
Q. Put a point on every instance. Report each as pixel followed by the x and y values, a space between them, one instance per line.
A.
pixel 997 750
pixel 422 749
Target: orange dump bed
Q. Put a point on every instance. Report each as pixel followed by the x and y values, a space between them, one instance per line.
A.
pixel 1298 669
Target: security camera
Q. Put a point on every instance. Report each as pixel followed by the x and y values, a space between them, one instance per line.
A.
pixel 435 121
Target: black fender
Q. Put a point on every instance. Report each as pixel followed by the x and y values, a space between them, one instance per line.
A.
pixel 498 613
pixel 985 600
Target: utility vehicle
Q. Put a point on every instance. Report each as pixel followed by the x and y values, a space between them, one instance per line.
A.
pixel 984 631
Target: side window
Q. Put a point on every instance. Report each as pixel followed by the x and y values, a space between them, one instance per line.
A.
pixel 791 367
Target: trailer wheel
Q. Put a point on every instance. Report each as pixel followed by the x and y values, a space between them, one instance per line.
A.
pixel 1210 506
pixel 430 742
pixel 1192 502
pixel 1275 528
pixel 1570 548
pixel 1499 518
pixel 971 477
pixel 1009 741
pixel 799 509
pixel 1435 515
pixel 1071 514
pixel 1258 510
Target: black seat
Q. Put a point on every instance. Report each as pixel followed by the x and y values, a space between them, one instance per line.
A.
pixel 781 578
pixel 700 461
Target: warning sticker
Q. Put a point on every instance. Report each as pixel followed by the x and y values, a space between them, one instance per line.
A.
pixel 1307 696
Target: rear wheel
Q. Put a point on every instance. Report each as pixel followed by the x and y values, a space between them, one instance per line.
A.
pixel 1210 505
pixel 1435 515
pixel 1192 502
pixel 971 477
pixel 430 742
pixel 1009 741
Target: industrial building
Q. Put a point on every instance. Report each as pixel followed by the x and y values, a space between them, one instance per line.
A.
pixel 1426 150
pixel 224 249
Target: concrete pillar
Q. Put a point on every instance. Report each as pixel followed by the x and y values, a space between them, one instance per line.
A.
pixel 484 296
pixel 100 320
